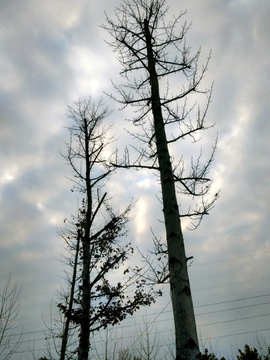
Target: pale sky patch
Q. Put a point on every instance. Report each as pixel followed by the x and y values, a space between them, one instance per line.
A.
pixel 141 215
pixel 9 175
pixel 88 67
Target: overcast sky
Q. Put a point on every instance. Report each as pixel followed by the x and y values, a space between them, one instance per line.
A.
pixel 52 53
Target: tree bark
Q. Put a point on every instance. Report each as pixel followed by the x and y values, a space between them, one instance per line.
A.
pixel 84 342
pixel 184 319
pixel 70 304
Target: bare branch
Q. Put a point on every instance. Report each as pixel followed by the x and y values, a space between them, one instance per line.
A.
pixel 9 310
pixel 154 49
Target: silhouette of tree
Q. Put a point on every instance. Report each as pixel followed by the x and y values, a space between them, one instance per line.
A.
pixel 151 52
pixel 249 353
pixel 94 235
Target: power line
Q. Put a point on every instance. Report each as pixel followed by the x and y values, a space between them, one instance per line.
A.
pixel 21 341
pixel 196 307
pixel 227 321
pixel 236 334
pixel 159 332
pixel 230 259
pixel 169 319
pixel 126 337
pixel 194 265
pixel 149 325
pixel 35 294
pixel 233 300
pixel 236 308
pixel 235 283
pixel 211 304
pixel 207 339
pixel 25 333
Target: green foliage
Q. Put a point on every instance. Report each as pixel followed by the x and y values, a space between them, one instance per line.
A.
pixel 248 354
pixel 208 356
pixel 94 237
pixel 267 356
pixel 109 302
pixel 252 354
pixel 124 354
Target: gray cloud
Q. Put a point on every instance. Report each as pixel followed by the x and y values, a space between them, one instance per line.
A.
pixel 52 53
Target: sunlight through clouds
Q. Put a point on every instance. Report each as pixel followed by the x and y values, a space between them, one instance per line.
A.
pixel 146 182
pixel 88 68
pixel 141 216
pixel 8 176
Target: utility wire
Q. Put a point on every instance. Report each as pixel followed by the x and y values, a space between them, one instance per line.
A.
pixel 196 307
pixel 194 265
pixel 148 326
pixel 207 339
pixel 233 300
pixel 227 321
pixel 229 284
pixel 236 308
pixel 167 319
pixel 235 334
pixel 230 259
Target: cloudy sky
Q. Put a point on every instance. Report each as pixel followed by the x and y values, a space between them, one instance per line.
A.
pixel 52 54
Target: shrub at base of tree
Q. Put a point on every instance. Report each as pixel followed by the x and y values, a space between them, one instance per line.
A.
pixel 248 353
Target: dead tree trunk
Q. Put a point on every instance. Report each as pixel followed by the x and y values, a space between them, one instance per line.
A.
pixel 70 303
pixel 151 50
pixel 84 341
pixel 184 320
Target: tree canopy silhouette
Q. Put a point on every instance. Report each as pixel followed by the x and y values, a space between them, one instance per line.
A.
pixel 152 51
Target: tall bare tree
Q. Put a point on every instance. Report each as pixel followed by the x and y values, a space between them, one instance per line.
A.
pixel 95 300
pixel 152 51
